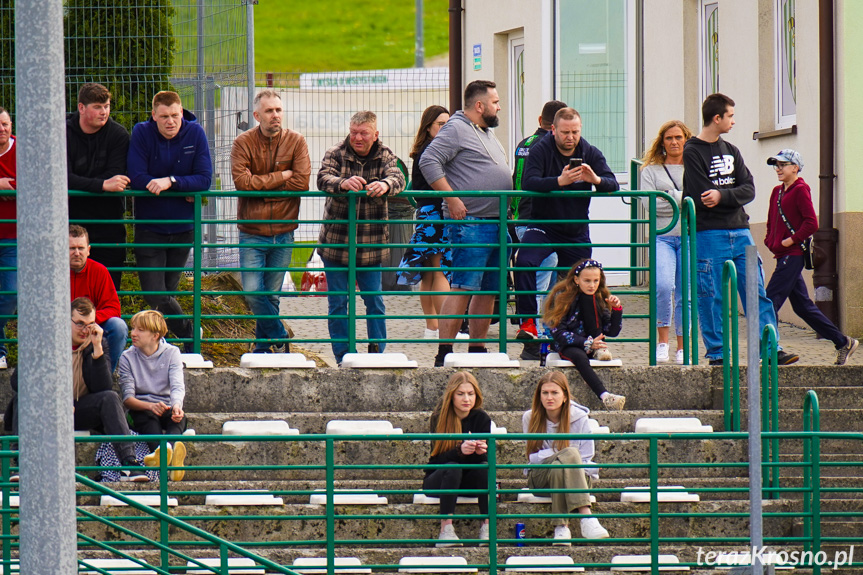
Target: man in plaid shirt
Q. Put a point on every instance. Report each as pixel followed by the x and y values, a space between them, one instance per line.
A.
pixel 358 163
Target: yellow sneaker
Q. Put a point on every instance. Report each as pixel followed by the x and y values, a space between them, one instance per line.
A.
pixel 178 460
pixel 152 460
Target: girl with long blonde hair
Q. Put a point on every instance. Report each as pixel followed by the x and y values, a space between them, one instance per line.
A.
pixel 553 411
pixel 459 411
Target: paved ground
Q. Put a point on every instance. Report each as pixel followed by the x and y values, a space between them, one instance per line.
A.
pixel 798 340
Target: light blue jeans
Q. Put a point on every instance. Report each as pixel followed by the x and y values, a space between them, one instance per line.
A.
pixel 116 332
pixel 273 252
pixel 337 281
pixel 715 247
pixel 8 282
pixel 543 278
pixel 669 294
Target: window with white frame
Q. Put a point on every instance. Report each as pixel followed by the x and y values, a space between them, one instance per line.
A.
pixel 709 47
pixel 786 64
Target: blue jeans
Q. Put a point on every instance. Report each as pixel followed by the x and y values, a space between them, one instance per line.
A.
pixel 475 257
pixel 543 278
pixel 669 294
pixel 337 281
pixel 116 332
pixel 266 252
pixel 714 248
pixel 8 282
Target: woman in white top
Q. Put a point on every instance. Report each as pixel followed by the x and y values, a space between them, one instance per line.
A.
pixel 553 411
pixel 663 170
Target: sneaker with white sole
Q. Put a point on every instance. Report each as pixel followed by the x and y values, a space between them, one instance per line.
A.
pixel 614 402
pixel 842 354
pixel 178 460
pixel 679 357
pixel 448 538
pixel 136 474
pixel 3 364
pixel 152 460
pixel 591 529
pixel 562 532
pixel 662 353
pixel 431 334
pixel 483 533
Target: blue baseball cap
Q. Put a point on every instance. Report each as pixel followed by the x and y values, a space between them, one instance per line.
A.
pixel 787 155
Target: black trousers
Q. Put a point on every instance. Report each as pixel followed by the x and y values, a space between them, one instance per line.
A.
pixel 452 478
pixel 164 281
pixel 104 412
pixel 148 423
pixel 578 357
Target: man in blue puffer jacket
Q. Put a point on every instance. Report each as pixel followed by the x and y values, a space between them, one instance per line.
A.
pixel 168 157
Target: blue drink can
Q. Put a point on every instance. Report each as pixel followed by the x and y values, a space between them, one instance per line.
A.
pixel 519 533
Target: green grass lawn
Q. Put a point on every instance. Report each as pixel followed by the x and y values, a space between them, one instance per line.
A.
pixel 327 35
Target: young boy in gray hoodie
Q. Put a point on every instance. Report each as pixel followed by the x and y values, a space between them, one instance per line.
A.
pixel 151 379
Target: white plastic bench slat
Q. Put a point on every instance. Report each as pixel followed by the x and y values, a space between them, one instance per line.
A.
pixel 149 500
pixel 635 495
pixel 236 566
pixel 14 501
pixel 195 361
pixel 423 499
pixel 671 425
pixel 348 498
pixel 432 565
pixel 270 427
pixel 276 361
pixel 315 565
pixel 121 564
pixel 554 360
pixel 528 497
pixel 479 360
pixel 358 427
pixel 378 361
pixel 497 430
pixel 244 499
pixel 554 564
pixel 730 560
pixel 82 433
pixel 627 563
pixel 595 427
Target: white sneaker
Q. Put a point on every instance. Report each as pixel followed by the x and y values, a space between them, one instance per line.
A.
pixel 431 334
pixel 562 532
pixel 483 534
pixel 591 529
pixel 448 538
pixel 662 353
pixel 679 357
pixel 462 335
pixel 3 364
pixel 614 402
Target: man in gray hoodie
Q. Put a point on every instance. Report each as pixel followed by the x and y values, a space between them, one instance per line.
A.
pixel 466 156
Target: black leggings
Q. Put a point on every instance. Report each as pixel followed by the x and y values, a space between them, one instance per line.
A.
pixel 578 356
pixel 452 478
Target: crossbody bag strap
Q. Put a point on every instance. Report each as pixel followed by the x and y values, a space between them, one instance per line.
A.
pixel 670 177
pixel 784 219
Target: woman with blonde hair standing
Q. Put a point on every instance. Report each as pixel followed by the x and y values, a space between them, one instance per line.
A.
pixel 459 411
pixel 662 170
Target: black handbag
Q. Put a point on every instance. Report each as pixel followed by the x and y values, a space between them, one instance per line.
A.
pixel 805 245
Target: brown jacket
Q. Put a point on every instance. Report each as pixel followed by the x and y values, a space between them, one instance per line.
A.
pixel 257 163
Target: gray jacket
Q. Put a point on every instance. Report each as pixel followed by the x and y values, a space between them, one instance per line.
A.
pixel 155 378
pixel 653 177
pixel 471 158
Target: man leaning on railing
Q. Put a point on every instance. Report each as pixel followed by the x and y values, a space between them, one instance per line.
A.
pixel 268 157
pixel 360 162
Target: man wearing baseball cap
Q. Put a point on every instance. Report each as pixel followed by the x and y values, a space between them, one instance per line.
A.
pixel 790 220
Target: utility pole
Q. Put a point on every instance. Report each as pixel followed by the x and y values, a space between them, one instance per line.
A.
pixel 420 50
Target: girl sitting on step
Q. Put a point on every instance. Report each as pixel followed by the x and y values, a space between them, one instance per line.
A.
pixel 458 412
pixel 553 411
pixel 581 312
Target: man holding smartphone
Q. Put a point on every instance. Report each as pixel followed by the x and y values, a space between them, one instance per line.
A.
pixel 561 161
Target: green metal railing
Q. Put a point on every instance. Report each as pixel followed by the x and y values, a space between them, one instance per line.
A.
pixel 649 526
pixel 730 351
pixel 770 407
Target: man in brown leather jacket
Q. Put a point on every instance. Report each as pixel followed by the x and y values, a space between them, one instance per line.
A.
pixel 268 158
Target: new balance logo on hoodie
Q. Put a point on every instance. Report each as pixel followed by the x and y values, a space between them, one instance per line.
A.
pixel 722 166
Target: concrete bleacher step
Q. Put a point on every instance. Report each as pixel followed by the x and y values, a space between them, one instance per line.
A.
pixel 542 564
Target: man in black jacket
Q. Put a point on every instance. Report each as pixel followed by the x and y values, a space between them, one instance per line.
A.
pixel 96 150
pixel 96 405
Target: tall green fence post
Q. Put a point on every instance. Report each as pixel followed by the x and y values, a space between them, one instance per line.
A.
pixel 812 451
pixel 196 276
pixel 5 473
pixel 164 476
pixel 331 505
pixel 352 274
pixel 730 349
pixel 770 407
pixel 633 227
pixel 654 506
pixel 492 506
pixel 811 422
pixel 503 263
pixel 689 276
pixel 651 250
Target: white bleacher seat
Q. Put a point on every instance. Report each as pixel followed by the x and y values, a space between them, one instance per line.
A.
pixel 268 427
pixel 117 566
pixel 596 428
pixel 553 564
pixel 635 495
pixel 348 498
pixel 14 501
pixel 236 566
pixel 528 497
pixel 628 563
pixel 378 361
pixel 497 430
pixel 189 431
pixel 726 560
pixel 671 425
pixel 242 499
pixel 432 565
pixel 361 427
pixel 148 500
pixel 82 433
pixel 315 565
pixel 554 360
pixel 423 499
pixel 479 360
pixel 276 361
pixel 195 361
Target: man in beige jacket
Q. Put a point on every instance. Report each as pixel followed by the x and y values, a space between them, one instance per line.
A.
pixel 268 158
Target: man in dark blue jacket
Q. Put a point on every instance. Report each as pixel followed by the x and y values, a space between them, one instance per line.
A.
pixel 168 157
pixel 548 169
